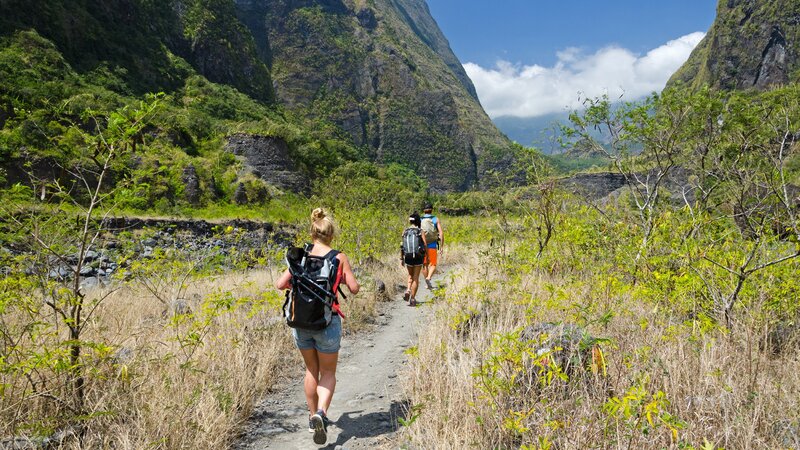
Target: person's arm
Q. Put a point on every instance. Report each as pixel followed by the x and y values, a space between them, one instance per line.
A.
pixel 441 234
pixel 347 274
pixel 284 282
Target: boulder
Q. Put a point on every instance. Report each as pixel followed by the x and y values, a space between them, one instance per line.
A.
pixel 781 338
pixel 240 196
pixel 568 346
pixel 268 158
pixel 366 18
pixel 191 183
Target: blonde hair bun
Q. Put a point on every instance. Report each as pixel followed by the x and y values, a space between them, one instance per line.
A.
pixel 318 214
pixel 322 228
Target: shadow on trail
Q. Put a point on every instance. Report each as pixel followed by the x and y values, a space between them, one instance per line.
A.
pixel 354 425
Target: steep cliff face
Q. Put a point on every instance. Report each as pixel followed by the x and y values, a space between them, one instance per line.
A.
pixel 375 73
pixel 148 43
pixel 752 44
pixel 381 72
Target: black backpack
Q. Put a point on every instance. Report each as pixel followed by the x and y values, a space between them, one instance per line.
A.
pixel 312 301
pixel 413 245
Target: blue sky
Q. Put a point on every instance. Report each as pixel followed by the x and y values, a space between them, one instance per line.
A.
pixel 558 50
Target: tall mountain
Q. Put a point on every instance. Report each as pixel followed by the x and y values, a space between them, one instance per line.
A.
pixel 752 44
pixel 384 74
pixel 376 73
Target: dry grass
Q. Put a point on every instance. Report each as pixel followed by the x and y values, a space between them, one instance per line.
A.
pixel 186 381
pixel 718 386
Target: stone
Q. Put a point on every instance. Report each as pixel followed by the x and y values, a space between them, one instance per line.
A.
pixel 87 271
pixel 782 337
pixel 191 185
pixel 240 196
pixel 567 345
pixel 60 273
pixel 90 283
pixel 179 306
pixel 366 18
pixel 788 432
pixel 123 355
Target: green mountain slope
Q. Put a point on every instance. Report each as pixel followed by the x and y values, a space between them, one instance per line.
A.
pixel 371 80
pixel 752 44
pixel 382 72
pixel 141 40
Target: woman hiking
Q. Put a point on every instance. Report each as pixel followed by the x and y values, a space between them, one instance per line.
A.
pixel 412 254
pixel 320 349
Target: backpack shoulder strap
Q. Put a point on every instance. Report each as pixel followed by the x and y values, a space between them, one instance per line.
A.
pixel 336 289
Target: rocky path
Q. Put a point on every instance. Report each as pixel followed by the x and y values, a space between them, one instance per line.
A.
pixel 368 400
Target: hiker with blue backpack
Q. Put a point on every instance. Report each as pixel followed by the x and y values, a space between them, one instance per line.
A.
pixel 434 238
pixel 412 255
pixel 312 284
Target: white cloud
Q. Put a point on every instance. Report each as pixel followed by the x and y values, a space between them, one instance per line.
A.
pixel 530 91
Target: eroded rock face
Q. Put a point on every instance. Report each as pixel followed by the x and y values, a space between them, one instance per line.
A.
pixel 240 196
pixel 599 186
pixel 595 186
pixel 385 75
pixel 752 44
pixel 773 69
pixel 268 158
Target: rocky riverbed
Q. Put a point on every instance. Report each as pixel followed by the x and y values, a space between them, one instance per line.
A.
pixel 124 240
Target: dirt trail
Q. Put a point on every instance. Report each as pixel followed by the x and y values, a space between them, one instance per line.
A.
pixel 367 402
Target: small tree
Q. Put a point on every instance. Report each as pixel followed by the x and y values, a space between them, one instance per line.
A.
pixel 58 226
pixel 644 143
pixel 750 161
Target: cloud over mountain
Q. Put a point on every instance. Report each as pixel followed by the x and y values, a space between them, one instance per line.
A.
pixel 530 91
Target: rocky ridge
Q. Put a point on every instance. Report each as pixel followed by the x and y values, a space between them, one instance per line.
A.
pixel 383 73
pixel 751 45
pixel 128 239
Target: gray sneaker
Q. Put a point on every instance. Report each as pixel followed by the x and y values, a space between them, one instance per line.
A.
pixel 428 283
pixel 320 428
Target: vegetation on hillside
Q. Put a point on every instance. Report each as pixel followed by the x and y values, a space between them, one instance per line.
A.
pixel 751 45
pixel 682 293
pixel 47 108
pixel 681 288
pixel 665 317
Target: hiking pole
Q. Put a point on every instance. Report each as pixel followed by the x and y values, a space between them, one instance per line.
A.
pixel 309 284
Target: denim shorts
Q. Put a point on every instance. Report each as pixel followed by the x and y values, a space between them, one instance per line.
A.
pixel 327 340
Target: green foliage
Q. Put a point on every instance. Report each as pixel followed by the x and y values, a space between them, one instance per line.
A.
pixel 47 104
pixel 639 414
pixel 567 164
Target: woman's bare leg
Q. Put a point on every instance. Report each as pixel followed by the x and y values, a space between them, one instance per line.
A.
pixel 327 379
pixel 311 380
pixel 414 276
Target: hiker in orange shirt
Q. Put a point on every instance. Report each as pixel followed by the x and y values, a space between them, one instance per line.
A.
pixel 432 230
